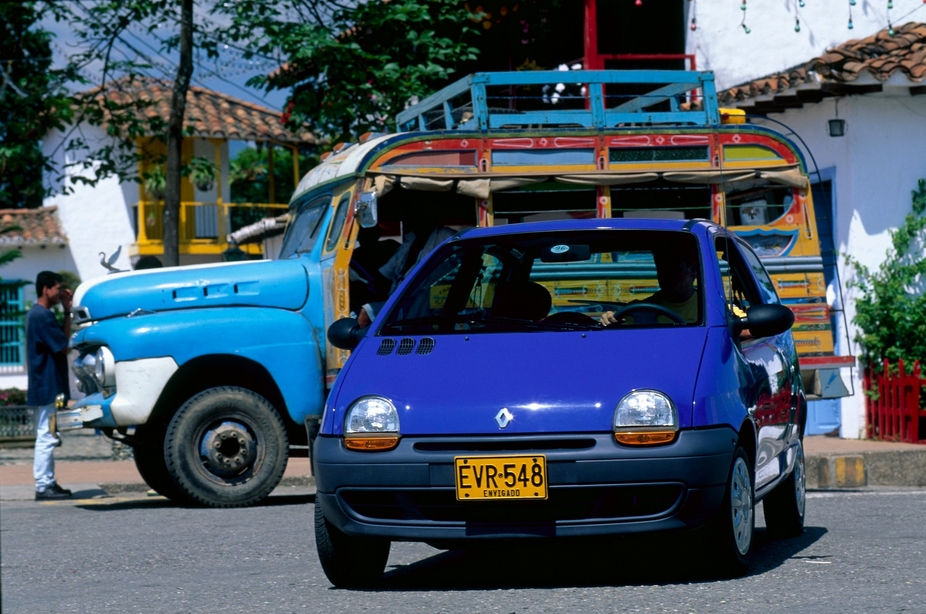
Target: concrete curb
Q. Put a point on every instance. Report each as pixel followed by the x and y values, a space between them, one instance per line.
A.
pixel 881 468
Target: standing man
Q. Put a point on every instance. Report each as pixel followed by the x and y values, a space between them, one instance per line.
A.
pixel 46 356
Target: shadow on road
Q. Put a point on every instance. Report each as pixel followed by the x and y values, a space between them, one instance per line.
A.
pixel 147 503
pixel 630 561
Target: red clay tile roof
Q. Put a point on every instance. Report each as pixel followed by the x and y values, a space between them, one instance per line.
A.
pixel 36 227
pixel 210 114
pixel 880 55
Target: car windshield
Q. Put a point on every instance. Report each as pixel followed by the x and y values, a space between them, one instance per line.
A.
pixel 554 281
pixel 302 232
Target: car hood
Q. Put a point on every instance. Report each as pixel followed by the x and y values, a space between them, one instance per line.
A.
pixel 266 283
pixel 562 382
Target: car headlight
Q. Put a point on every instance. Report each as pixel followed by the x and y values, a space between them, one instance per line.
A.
pixel 645 417
pixel 371 424
pixel 104 367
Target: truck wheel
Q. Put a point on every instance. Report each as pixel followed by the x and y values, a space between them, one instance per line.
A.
pixel 149 460
pixel 349 561
pixel 784 506
pixel 226 447
pixel 729 536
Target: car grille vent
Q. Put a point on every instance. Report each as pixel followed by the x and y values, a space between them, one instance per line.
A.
pixel 505 445
pixel 426 346
pixel 386 347
pixel 405 347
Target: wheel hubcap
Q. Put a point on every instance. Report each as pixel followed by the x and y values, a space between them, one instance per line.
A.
pixel 741 506
pixel 228 448
pixel 800 480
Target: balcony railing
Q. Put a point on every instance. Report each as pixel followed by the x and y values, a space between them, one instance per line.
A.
pixel 203 226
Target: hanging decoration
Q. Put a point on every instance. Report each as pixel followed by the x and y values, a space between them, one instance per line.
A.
pixel 743 23
pixel 851 4
pixel 797 24
pixel 694 19
pixel 890 26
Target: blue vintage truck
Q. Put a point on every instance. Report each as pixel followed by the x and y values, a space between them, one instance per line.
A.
pixel 216 374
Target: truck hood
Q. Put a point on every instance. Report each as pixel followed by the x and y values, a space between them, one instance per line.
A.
pixel 561 382
pixel 265 283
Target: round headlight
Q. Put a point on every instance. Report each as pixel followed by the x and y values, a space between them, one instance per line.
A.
pixel 88 364
pixel 104 369
pixel 645 417
pixel 370 415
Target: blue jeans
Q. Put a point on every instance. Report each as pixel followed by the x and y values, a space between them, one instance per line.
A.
pixel 43 469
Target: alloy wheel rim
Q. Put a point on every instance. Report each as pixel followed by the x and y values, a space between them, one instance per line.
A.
pixel 800 480
pixel 741 507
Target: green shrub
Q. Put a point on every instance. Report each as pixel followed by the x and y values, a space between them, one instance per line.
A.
pixel 890 312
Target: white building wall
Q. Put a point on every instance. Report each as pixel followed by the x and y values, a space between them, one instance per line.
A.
pixel 34 259
pixel 877 166
pixel 721 45
pixel 95 218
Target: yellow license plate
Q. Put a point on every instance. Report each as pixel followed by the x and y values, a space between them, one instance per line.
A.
pixel 496 478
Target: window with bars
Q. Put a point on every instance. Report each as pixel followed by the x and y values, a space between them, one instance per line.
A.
pixel 12 335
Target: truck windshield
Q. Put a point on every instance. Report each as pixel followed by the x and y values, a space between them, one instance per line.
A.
pixel 302 231
pixel 557 281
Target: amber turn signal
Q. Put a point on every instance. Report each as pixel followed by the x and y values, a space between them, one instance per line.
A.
pixel 645 438
pixel 371 444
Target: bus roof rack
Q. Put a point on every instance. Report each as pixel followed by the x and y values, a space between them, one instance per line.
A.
pixel 582 98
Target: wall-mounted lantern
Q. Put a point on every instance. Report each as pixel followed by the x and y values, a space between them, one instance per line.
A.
pixel 837 127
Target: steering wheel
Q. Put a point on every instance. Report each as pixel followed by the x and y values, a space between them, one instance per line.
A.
pixel 659 309
pixel 570 317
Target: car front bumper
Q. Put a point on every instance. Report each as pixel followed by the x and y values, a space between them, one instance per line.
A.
pixel 596 487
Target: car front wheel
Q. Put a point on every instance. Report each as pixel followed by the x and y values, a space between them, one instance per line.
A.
pixel 349 561
pixel 730 534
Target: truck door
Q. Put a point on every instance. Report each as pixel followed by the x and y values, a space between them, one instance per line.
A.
pixel 335 260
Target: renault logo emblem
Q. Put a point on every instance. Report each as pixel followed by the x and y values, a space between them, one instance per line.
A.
pixel 503 418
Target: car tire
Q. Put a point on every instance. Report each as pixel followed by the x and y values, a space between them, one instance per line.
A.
pixel 349 561
pixel 784 506
pixel 226 447
pixel 149 460
pixel 731 533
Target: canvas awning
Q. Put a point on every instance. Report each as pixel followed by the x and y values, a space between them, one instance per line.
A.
pixel 482 187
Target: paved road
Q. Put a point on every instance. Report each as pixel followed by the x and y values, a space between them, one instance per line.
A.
pixel 861 552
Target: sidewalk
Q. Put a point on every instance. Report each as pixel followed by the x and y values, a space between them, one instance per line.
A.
pixel 853 463
pixel 81 464
pixel 84 464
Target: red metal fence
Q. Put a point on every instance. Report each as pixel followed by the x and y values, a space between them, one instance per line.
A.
pixel 892 403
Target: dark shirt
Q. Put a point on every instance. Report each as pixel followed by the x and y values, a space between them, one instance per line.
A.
pixel 47 366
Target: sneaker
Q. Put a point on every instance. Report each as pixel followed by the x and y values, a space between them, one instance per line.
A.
pixel 52 492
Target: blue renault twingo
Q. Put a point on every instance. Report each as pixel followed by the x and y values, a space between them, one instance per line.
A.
pixel 565 379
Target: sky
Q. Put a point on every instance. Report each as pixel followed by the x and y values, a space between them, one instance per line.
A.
pixel 227 74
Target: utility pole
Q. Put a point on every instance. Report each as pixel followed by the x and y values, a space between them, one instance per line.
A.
pixel 175 137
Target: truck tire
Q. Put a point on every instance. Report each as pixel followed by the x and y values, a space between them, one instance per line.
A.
pixel 149 460
pixel 226 447
pixel 349 561
pixel 784 506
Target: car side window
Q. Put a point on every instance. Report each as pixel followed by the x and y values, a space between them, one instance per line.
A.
pixel 738 285
pixel 766 287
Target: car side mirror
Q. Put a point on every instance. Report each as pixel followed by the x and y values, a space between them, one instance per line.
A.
pixel 366 210
pixel 346 333
pixel 766 320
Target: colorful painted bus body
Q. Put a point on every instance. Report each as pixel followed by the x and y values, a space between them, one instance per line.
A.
pixel 667 153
